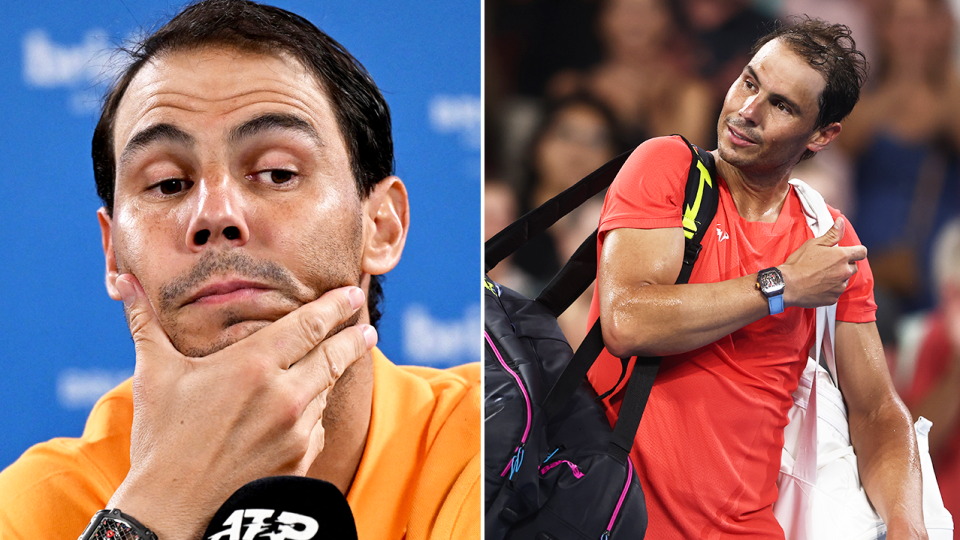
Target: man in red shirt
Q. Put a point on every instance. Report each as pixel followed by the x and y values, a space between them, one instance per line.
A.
pixel 936 379
pixel 735 339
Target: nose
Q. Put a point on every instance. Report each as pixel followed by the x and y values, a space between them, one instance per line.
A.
pixel 218 217
pixel 750 109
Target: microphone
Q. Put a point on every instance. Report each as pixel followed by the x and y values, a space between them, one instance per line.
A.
pixel 284 508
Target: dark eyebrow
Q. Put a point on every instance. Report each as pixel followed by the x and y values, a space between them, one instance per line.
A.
pixel 272 121
pixel 153 134
pixel 779 97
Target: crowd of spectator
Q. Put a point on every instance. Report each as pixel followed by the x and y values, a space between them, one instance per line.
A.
pixel 572 83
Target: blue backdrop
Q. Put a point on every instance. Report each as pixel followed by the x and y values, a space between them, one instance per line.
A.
pixel 64 342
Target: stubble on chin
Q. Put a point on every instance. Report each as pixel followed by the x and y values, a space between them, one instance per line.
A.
pixel 232 325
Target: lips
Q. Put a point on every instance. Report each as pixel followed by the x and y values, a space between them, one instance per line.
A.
pixel 739 137
pixel 225 291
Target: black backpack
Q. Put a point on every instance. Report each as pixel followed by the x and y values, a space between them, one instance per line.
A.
pixel 553 467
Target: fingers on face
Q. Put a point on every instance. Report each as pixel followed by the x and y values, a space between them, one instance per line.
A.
pixel 314 419
pixel 318 319
pixel 303 329
pixel 308 432
pixel 320 368
pixel 149 337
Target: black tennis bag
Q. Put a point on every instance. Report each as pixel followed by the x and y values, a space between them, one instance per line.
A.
pixel 554 469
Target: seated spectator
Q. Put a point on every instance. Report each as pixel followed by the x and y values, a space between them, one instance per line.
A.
pixel 935 391
pixel 644 76
pixel 723 31
pixel 576 136
pixel 905 136
pixel 499 210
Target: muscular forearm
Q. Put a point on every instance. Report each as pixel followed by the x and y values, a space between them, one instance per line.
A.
pixel 642 313
pixel 656 320
pixel 889 467
pixel 881 430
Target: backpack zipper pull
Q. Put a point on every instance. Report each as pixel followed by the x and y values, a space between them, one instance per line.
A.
pixel 555 450
pixel 516 460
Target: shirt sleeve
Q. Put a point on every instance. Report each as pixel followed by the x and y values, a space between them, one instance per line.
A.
pixel 648 191
pixel 856 304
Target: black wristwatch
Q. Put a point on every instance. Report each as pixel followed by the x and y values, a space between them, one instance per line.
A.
pixel 770 283
pixel 115 525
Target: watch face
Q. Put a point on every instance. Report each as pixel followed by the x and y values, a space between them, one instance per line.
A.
pixel 771 281
pixel 113 529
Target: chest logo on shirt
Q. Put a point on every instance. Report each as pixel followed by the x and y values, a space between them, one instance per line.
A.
pixel 721 236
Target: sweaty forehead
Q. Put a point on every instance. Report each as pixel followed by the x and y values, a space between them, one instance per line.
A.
pixel 218 84
pixel 785 71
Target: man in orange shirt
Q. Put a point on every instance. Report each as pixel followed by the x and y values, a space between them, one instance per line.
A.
pixel 245 161
pixel 735 340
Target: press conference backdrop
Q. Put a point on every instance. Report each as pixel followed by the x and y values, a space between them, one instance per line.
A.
pixel 63 342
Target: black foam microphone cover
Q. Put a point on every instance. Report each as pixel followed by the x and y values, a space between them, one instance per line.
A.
pixel 284 508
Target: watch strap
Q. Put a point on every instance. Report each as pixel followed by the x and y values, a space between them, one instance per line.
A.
pixel 776 304
pixel 115 525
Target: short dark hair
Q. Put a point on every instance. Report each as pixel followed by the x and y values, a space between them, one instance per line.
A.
pixel 830 50
pixel 362 114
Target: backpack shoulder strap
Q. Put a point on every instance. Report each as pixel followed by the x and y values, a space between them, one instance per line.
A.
pixel 700 202
pixel 701 199
pixel 700 206
pixel 538 220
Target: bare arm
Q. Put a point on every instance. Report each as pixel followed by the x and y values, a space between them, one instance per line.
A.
pixel 643 312
pixel 881 431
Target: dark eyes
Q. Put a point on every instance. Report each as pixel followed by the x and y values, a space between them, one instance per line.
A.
pixel 277 176
pixel 173 186
pixel 780 105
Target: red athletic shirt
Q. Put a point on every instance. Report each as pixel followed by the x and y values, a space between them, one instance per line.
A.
pixel 708 448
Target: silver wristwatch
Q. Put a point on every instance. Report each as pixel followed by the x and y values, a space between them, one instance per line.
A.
pixel 115 525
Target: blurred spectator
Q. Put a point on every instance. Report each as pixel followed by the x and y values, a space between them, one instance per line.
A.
pixel 723 32
pixel 500 209
pixel 935 392
pixel 644 75
pixel 527 43
pixel 534 39
pixel 904 135
pixel 571 231
pixel 576 136
pixel 857 14
pixel 831 174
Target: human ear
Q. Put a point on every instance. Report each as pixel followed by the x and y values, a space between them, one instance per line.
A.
pixel 386 218
pixel 823 137
pixel 106 226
